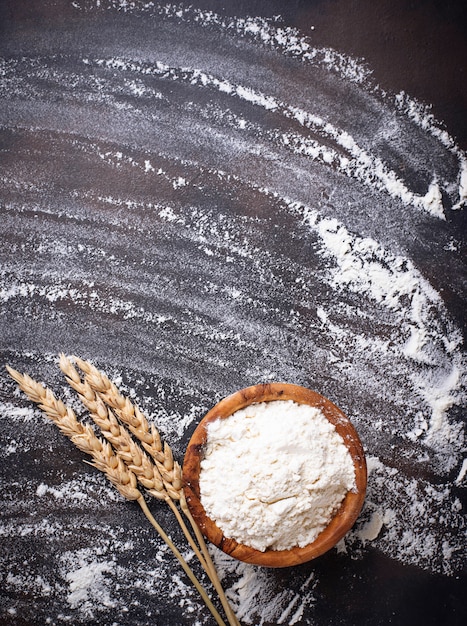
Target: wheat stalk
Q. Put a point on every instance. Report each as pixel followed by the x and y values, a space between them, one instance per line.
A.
pixel 136 459
pixel 104 459
pixel 162 454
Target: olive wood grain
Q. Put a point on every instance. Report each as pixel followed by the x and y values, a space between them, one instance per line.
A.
pixel 339 525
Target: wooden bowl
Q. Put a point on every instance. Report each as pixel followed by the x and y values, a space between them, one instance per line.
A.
pixel 341 522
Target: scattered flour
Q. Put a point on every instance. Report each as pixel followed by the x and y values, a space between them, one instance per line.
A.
pixel 372 528
pixel 273 474
pixel 462 472
pixel 88 583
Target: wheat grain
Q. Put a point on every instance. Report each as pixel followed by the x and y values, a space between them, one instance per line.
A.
pixel 102 454
pixel 169 469
pixel 135 458
pixel 134 419
pixel 80 434
pixel 162 478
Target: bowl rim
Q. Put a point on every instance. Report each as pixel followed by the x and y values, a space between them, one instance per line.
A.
pixel 340 523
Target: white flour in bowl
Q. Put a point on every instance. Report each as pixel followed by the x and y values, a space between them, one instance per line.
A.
pixel 274 474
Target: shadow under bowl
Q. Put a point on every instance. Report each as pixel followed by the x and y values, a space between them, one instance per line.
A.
pixel 339 525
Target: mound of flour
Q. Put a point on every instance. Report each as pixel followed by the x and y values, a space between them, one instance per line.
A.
pixel 273 474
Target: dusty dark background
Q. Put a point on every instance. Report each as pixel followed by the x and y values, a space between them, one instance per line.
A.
pixel 417 47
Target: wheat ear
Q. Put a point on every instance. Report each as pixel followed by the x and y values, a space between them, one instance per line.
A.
pixel 125 447
pixel 136 422
pixel 80 434
pixel 162 454
pixel 104 459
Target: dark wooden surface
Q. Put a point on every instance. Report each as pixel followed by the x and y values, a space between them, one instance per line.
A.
pixel 158 225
